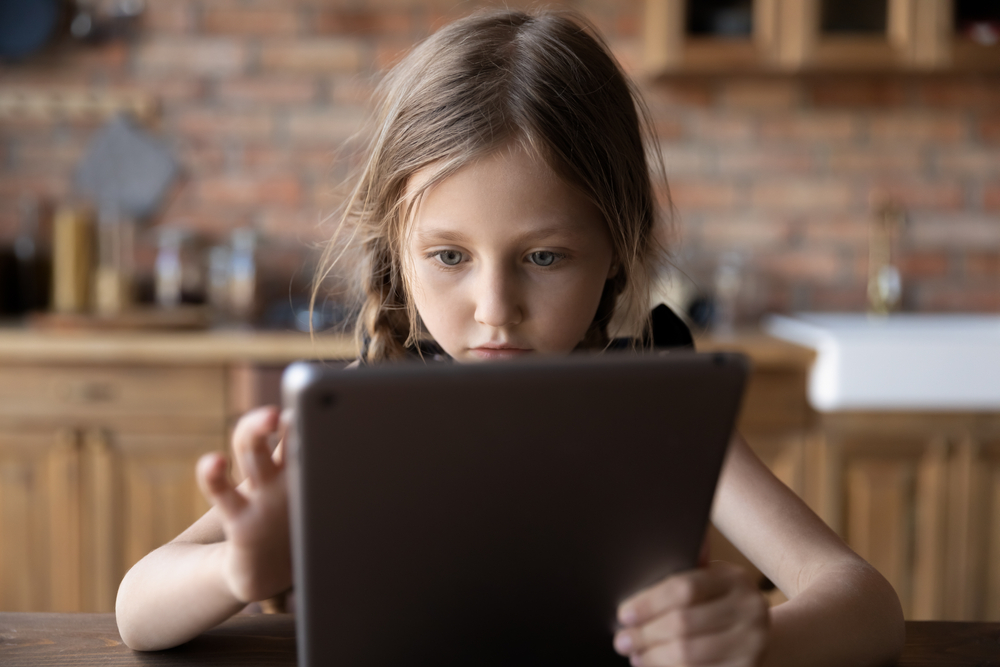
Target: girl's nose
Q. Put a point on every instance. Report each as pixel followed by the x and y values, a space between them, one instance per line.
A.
pixel 497 301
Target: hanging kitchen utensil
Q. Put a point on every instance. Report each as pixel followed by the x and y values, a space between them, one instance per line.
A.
pixel 26 26
pixel 127 168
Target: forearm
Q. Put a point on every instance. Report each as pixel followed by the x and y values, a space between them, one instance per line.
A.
pixel 848 615
pixel 172 595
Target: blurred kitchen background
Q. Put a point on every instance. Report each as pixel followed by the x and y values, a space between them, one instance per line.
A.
pixel 166 168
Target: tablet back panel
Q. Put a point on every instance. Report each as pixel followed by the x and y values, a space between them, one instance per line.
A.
pixel 497 514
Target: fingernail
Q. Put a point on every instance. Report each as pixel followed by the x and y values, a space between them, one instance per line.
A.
pixel 623 643
pixel 634 660
pixel 627 616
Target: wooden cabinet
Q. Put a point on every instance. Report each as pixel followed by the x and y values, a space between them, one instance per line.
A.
pixel 790 35
pixel 918 496
pixel 96 470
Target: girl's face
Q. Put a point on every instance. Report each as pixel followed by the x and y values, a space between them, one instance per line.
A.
pixel 504 259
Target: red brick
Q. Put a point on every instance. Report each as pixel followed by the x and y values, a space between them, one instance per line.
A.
pixel 667 127
pixel 856 93
pixel 212 123
pixel 327 126
pixel 852 297
pixel 389 52
pixel 200 157
pixel 216 56
pixel 914 194
pixel 351 90
pixel 901 159
pixel 296 225
pixel 722 128
pixel 687 160
pixel 959 297
pixel 272 90
pixel 815 127
pixel 33 157
pixel 759 95
pixel 960 230
pixel 48 184
pixel 802 195
pixel 747 231
pixel 171 90
pixel 923 264
pixel 691 194
pixel 304 159
pixel 813 264
pixel 679 94
pixel 242 190
pixel 321 56
pixel 938 128
pixel 969 161
pixel 991 197
pixel 983 265
pixel 250 21
pixel 989 127
pixel 845 230
pixel 764 160
pixel 980 93
pixel 176 16
pixel 345 21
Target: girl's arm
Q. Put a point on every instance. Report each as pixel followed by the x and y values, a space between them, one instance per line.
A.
pixel 236 553
pixel 840 609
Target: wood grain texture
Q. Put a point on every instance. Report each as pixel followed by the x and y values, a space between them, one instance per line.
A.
pixel 81 640
pixel 25 345
pixel 69 640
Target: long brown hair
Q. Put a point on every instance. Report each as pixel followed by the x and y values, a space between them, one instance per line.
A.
pixel 546 79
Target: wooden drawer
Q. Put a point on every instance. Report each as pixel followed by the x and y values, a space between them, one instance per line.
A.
pixel 123 394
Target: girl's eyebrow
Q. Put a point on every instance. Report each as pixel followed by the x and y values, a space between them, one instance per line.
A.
pixel 454 236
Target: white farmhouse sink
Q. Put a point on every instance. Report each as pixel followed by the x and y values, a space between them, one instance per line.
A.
pixel 899 362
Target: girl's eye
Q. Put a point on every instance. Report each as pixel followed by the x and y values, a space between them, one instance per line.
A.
pixel 543 258
pixel 450 257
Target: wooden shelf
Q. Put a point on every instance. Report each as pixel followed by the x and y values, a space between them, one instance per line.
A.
pixel 919 38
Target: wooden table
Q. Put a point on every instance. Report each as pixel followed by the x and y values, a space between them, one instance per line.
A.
pixel 258 640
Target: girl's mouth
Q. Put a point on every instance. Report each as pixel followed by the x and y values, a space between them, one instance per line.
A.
pixel 492 351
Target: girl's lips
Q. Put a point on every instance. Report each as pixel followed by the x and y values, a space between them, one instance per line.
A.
pixel 498 351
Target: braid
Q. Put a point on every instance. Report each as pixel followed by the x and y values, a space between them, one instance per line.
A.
pixel 597 335
pixel 384 322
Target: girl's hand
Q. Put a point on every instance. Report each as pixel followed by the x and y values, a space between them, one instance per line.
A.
pixel 257 553
pixel 708 616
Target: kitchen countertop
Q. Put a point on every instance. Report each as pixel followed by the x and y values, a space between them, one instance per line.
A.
pixel 24 345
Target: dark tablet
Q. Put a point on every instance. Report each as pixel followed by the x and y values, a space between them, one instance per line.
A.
pixel 496 514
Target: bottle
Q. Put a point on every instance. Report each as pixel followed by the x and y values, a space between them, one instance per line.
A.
pixel 72 259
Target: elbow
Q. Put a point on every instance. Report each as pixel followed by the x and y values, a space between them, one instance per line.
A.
pixel 129 621
pixel 886 617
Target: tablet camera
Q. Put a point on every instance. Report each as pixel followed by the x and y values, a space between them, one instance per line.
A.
pixel 327 400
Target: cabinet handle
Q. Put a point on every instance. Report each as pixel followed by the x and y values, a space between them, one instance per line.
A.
pixel 92 392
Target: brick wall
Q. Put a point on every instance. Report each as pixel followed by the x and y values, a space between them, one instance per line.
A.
pixel 258 96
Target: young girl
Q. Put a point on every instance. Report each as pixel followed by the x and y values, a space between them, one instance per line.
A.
pixel 506 208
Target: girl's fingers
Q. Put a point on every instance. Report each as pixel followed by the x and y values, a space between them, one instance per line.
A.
pixel 680 590
pixel 257 461
pixel 253 428
pixel 702 619
pixel 213 478
pixel 734 646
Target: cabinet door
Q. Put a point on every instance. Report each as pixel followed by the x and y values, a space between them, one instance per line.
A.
pixel 39 521
pixel 138 492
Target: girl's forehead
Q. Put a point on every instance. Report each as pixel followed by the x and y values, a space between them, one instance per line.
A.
pixel 514 185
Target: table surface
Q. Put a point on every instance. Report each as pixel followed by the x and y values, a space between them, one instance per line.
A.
pixel 256 640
